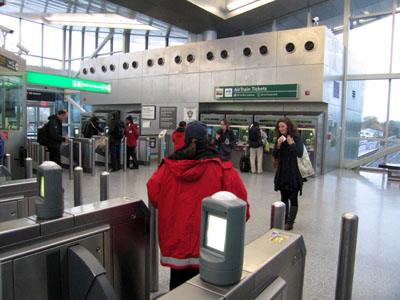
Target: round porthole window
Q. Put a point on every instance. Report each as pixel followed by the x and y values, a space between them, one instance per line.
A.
pixel 190 58
pixel 309 45
pixel 247 51
pixel 112 68
pixel 125 66
pixel 263 50
pixel 84 71
pixel 92 70
pixel 150 62
pixel 290 47
pixel 210 55
pixel 224 54
pixel 160 61
pixel 135 64
pixel 178 59
pixel 104 69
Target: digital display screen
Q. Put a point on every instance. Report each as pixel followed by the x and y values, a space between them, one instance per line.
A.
pixel 216 233
pixel 209 130
pixel 42 186
pixel 100 125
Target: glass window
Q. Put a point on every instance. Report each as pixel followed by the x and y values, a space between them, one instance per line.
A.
pixel 362 8
pixel 292 21
pixel 396 45
pixel 12 38
pixel 11 102
pixel 137 43
pixel 75 65
pixel 76 44
pixel 365 117
pixel 31 37
pixel 156 42
pixel 369 50
pixel 107 47
pixel 53 42
pixel 394 116
pixel 52 63
pixel 177 41
pixel 117 45
pixel 32 61
pixel 90 43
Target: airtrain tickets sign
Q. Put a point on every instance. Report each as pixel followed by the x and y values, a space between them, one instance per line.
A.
pixel 276 91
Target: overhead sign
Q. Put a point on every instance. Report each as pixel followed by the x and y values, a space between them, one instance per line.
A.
pixel 67 82
pixel 276 91
pixel 8 63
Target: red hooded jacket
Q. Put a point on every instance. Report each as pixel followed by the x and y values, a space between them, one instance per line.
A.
pixel 176 189
pixel 131 135
pixel 178 138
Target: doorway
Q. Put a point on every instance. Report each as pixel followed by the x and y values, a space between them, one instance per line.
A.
pixel 37 112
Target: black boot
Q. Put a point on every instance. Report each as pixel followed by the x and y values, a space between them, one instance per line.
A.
pixel 286 211
pixel 291 217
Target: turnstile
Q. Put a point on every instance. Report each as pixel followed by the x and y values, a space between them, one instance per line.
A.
pixel 17 198
pixel 35 254
pixel 273 269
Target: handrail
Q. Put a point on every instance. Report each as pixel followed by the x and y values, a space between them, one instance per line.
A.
pixel 358 163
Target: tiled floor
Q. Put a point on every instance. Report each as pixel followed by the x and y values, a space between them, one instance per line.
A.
pixel 324 200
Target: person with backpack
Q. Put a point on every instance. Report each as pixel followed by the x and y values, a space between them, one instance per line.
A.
pixel 176 190
pixel 256 145
pixel 115 134
pixel 54 137
pixel 91 128
pixel 177 136
pixel 132 135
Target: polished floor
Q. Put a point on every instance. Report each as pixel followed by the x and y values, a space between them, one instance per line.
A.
pixel 324 200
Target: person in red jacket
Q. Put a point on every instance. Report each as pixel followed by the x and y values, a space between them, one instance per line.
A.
pixel 131 137
pixel 178 136
pixel 177 188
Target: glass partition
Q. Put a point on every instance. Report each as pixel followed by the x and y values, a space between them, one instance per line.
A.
pixel 11 96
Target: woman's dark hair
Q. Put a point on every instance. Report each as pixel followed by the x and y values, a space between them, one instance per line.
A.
pixel 61 112
pixel 291 127
pixel 115 114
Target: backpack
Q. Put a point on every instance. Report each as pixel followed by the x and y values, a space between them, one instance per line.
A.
pixel 121 130
pixel 42 134
pixel 254 133
pixel 244 164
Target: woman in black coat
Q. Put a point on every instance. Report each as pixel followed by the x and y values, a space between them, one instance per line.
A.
pixel 288 179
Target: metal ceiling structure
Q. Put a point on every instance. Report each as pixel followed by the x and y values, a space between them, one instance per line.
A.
pixel 181 16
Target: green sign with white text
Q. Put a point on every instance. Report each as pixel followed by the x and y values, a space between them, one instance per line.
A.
pixel 67 82
pixel 275 91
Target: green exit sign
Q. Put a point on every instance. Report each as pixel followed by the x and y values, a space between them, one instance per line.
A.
pixel 67 82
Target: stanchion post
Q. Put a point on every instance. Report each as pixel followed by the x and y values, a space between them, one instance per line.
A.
pixel 7 161
pixel 71 158
pixel 107 155
pixel 154 250
pixel 347 256
pixel 78 177
pixel 42 154
pixel 79 154
pixel 93 156
pixel 278 215
pixel 28 168
pixel 125 155
pixel 104 186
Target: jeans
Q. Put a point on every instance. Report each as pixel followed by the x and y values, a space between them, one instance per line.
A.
pixel 115 156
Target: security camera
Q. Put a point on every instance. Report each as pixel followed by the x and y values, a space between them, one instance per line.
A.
pixel 22 49
pixel 5 29
pixel 315 21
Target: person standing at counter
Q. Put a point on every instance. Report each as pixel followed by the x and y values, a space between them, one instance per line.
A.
pixel 225 139
pixel 178 136
pixel 132 135
pixel 54 135
pixel 257 139
pixel 288 179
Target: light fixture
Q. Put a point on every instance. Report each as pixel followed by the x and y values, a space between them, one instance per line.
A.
pixel 238 3
pixel 88 20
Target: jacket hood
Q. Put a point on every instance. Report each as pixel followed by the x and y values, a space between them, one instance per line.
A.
pixel 192 170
